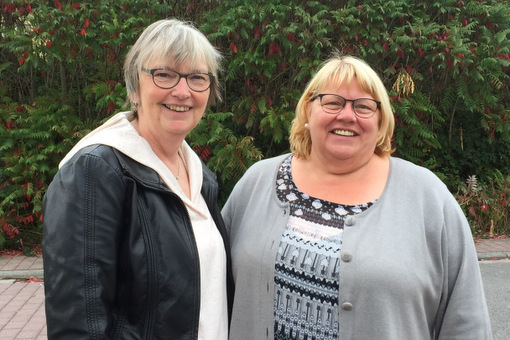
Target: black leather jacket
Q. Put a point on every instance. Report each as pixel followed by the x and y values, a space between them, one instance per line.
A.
pixel 120 259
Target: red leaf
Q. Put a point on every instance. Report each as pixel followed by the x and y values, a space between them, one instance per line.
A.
pixel 57 4
pixel 83 32
pixel 233 47
pixel 23 59
pixel 32 279
pixel 9 229
pixel 111 107
pixel 86 23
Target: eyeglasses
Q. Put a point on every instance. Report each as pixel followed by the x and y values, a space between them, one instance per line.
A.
pixel 166 79
pixel 334 104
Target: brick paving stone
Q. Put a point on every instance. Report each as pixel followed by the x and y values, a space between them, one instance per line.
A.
pixel 22 311
pixel 11 262
pixel 492 245
pixel 19 262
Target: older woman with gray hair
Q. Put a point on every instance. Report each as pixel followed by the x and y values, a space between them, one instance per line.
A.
pixel 339 240
pixel 134 245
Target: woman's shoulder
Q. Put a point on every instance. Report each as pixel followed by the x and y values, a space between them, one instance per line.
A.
pixel 101 151
pixel 407 175
pixel 260 175
pixel 412 170
pixel 265 166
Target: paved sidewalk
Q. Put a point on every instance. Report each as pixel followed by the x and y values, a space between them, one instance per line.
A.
pixel 493 249
pixel 22 313
pixel 22 298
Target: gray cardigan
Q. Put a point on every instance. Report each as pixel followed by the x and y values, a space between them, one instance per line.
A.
pixel 408 268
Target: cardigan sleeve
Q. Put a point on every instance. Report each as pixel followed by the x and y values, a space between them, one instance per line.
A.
pixel 463 310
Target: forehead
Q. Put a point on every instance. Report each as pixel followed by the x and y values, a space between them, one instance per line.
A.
pixel 186 66
pixel 336 84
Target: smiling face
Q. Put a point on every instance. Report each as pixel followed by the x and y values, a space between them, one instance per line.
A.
pixel 342 136
pixel 169 113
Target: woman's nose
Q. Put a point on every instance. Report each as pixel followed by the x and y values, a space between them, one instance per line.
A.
pixel 181 89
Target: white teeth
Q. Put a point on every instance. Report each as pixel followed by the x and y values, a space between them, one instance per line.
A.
pixel 343 133
pixel 178 108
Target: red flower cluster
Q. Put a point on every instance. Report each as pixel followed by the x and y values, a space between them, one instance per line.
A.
pixel 9 8
pixel 274 49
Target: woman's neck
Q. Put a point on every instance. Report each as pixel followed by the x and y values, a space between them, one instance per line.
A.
pixel 343 183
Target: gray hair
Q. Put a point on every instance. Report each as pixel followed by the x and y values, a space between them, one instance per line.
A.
pixel 176 40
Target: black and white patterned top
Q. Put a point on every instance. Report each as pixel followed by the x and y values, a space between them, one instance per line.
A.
pixel 306 270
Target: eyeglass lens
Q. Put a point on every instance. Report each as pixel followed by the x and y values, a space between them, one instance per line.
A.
pixel 168 79
pixel 334 104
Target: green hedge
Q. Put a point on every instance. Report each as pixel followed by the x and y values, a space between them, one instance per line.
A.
pixel 445 63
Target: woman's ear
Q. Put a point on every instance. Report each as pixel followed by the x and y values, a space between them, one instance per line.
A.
pixel 134 98
pixel 308 109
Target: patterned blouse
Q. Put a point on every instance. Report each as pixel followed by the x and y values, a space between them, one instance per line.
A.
pixel 306 270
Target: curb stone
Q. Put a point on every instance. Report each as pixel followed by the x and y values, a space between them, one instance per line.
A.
pixel 21 274
pixel 493 256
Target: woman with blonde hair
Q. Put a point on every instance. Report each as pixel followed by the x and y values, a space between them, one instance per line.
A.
pixel 339 240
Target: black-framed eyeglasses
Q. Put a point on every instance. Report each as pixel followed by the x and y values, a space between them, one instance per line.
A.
pixel 334 104
pixel 166 78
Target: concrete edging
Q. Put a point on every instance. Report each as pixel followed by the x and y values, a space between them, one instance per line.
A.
pixel 500 255
pixel 21 274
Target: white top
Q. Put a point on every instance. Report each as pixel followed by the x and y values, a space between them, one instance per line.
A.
pixel 119 133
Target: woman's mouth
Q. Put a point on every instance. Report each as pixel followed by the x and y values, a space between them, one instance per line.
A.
pixel 177 108
pixel 343 133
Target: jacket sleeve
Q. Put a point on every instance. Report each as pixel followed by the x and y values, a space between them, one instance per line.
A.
pixel 83 211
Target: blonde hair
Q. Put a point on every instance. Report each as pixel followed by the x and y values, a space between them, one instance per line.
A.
pixel 339 69
pixel 176 40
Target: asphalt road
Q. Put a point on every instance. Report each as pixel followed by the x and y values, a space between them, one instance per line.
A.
pixel 496 279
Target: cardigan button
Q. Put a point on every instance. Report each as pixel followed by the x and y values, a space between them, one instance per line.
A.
pixel 346 256
pixel 347 306
pixel 350 221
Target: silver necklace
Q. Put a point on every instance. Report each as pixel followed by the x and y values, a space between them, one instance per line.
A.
pixel 178 168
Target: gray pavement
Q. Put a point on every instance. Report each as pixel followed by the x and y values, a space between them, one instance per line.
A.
pixel 496 276
pixel 22 313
